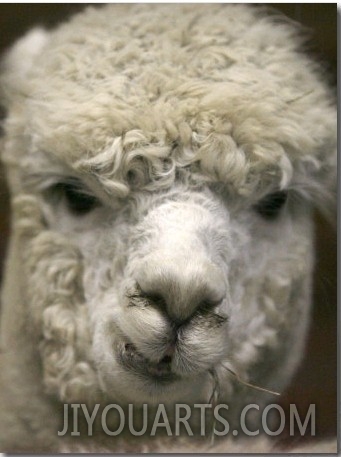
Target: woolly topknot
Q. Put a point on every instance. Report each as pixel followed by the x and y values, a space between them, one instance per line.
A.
pixel 141 97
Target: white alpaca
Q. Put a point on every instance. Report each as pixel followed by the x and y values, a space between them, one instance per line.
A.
pixel 163 162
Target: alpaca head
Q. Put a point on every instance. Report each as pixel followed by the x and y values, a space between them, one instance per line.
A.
pixel 162 189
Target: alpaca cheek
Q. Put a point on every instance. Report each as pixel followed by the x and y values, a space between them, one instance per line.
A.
pixel 58 314
pixel 275 297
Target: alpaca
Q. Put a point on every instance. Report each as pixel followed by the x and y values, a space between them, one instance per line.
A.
pixel 163 163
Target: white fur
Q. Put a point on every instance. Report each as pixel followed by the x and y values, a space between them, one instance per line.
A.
pixel 179 122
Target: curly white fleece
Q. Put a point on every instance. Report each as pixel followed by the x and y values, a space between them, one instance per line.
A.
pixel 179 121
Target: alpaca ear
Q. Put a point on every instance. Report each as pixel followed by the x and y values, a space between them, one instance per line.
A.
pixel 326 195
pixel 316 181
pixel 18 62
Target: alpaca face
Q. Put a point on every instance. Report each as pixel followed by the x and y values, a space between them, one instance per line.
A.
pixel 175 285
pixel 161 188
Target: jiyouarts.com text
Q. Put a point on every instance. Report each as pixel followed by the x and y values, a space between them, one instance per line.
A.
pixel 113 420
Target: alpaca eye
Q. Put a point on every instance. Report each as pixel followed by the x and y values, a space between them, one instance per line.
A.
pixel 270 206
pixel 78 200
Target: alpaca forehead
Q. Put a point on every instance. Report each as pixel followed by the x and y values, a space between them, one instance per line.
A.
pixel 82 137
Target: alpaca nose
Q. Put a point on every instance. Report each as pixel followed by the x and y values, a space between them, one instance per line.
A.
pixel 180 286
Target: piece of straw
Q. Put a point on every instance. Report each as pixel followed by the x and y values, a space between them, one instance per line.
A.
pixel 248 384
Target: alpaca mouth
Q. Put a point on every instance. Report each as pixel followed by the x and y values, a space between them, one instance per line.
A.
pixel 133 360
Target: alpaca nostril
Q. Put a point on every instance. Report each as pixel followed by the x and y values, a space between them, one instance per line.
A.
pixel 179 287
pixel 155 299
pixel 167 359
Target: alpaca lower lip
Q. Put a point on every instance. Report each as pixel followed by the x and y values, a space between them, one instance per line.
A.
pixel 131 359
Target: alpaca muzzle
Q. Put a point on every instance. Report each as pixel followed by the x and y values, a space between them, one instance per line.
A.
pixel 172 324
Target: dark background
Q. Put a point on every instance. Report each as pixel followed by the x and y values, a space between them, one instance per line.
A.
pixel 316 379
